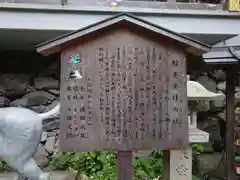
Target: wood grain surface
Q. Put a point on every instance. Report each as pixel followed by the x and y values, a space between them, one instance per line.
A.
pixel 132 95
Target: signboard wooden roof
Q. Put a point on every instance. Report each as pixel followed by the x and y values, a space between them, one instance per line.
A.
pixel 123 86
pixel 79 36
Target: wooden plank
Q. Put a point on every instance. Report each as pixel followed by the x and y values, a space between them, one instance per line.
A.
pixel 230 123
pixel 166 165
pixel 124 165
pixel 132 95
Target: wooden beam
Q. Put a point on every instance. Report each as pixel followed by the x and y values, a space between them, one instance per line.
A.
pixel 230 123
pixel 124 165
pixel 166 165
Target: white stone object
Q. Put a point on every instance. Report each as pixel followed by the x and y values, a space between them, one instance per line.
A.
pixel 40 156
pixel 196 91
pixel 50 144
pixel 179 162
pixel 20 135
pixel 198 136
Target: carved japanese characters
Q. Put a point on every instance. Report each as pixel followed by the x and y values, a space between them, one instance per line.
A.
pixel 129 96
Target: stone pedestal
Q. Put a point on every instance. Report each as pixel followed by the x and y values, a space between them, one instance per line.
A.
pixel 178 163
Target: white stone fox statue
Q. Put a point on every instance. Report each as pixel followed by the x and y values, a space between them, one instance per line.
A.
pixel 20 134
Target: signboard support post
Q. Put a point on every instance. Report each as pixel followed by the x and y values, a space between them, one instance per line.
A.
pixel 124 165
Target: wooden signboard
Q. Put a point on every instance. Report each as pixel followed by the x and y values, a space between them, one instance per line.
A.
pixel 123 91
pixel 123 87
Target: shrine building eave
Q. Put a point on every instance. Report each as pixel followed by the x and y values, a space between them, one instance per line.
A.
pixel 122 20
pixel 222 55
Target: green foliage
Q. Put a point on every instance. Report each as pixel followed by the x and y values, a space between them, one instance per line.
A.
pixel 197 147
pixel 87 162
pixel 148 167
pixel 102 165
